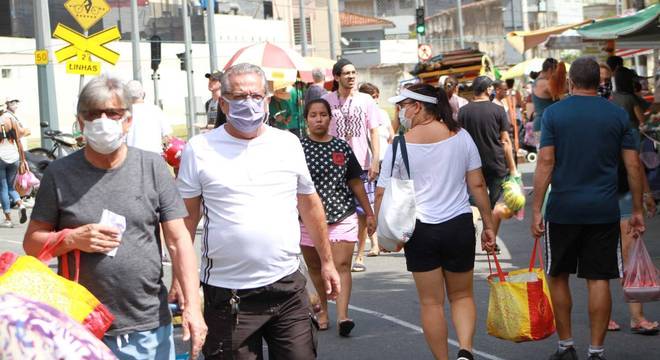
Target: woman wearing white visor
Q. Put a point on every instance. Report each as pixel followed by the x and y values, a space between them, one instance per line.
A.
pixel 444 164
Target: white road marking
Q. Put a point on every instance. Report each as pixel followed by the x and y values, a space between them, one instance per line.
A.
pixel 417 329
pixel 13 242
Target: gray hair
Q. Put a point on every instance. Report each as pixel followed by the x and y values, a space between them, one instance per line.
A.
pixel 240 69
pixel 318 75
pixel 585 73
pixel 100 90
pixel 135 90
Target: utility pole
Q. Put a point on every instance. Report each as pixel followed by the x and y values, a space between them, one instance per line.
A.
pixel 303 27
pixel 459 13
pixel 46 78
pixel 187 37
pixel 210 25
pixel 135 41
pixel 331 22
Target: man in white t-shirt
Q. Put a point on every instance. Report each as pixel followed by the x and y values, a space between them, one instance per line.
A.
pixel 355 120
pixel 251 182
pixel 151 127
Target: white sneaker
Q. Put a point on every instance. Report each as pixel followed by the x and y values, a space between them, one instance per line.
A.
pixel 6 224
pixel 28 203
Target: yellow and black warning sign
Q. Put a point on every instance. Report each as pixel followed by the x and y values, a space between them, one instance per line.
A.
pixel 87 12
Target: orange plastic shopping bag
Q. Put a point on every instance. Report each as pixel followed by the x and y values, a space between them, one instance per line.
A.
pixel 28 277
pixel 519 306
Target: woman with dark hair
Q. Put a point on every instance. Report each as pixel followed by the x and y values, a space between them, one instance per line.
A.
pixel 444 164
pixel 624 96
pixel 542 96
pixel 336 174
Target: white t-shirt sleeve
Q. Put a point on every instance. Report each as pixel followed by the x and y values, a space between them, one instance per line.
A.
pixel 165 125
pixel 473 160
pixel 305 183
pixel 188 181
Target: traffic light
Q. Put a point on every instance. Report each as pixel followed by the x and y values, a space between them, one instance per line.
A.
pixel 419 16
pixel 182 58
pixel 155 52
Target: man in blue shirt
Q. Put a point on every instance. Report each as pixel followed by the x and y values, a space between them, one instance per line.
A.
pixel 582 138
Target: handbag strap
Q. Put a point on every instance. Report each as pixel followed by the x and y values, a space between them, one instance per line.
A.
pixel 404 153
pixel 536 251
pixel 500 273
pixel 46 253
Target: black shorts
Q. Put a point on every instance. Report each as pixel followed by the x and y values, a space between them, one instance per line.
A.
pixel 593 250
pixel 279 313
pixel 449 245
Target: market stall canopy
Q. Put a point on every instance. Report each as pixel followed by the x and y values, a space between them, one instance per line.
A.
pixel 526 67
pixel 524 40
pixel 569 39
pixel 643 22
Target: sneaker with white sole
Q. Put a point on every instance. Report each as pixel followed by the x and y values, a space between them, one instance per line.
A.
pixel 464 355
pixel 6 224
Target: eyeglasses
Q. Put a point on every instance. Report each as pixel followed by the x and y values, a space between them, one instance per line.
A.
pixel 243 96
pixel 114 114
pixel 449 85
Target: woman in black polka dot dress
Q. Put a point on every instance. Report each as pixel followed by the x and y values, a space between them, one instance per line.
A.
pixel 336 174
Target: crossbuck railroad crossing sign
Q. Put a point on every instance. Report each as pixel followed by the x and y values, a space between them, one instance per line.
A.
pixel 84 46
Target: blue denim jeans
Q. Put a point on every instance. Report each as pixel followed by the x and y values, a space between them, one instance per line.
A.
pixel 156 344
pixel 7 192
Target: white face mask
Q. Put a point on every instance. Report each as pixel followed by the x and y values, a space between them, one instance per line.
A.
pixel 403 120
pixel 104 135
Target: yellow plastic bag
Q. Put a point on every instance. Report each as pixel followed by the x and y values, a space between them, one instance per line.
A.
pixel 30 278
pixel 519 305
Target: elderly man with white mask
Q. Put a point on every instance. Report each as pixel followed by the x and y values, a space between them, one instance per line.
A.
pixel 251 182
pixel 105 203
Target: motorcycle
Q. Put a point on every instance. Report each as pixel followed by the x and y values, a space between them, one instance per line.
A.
pixel 63 144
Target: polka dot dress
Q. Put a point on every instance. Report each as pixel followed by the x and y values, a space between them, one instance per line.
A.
pixel 331 164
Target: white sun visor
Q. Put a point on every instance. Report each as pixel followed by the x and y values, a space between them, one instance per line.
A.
pixel 407 94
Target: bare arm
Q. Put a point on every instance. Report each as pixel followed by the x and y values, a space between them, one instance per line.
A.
pixel 193 206
pixel 508 153
pixel 184 261
pixel 311 211
pixel 477 186
pixel 88 238
pixel 357 187
pixel 639 114
pixel 634 169
pixel 542 176
pixel 375 155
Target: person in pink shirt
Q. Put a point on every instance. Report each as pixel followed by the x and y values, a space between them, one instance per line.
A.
pixel 355 120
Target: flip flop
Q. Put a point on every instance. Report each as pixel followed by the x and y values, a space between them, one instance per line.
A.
pixel 357 267
pixel 345 327
pixel 324 326
pixel 373 253
pixel 613 326
pixel 645 327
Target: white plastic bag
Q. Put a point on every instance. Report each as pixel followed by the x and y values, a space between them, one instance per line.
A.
pixel 398 210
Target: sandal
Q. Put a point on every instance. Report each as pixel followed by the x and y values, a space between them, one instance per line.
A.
pixel 345 327
pixel 644 327
pixel 613 326
pixel 373 253
pixel 323 325
pixel 358 267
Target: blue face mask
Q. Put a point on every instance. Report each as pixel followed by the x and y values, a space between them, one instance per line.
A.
pixel 246 115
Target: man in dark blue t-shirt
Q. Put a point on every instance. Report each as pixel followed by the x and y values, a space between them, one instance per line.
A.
pixel 582 139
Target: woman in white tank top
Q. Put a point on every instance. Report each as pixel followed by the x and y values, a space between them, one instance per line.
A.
pixel 11 156
pixel 444 164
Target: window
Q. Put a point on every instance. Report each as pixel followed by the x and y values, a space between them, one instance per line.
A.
pixel 297 31
pixel 6 73
pixel 406 4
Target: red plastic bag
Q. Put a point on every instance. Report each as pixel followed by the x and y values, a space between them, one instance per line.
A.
pixel 641 279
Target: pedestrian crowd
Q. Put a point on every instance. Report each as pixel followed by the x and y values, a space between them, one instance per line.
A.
pixel 280 172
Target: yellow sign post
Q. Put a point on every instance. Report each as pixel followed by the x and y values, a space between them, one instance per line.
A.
pixel 87 12
pixel 84 46
pixel 41 57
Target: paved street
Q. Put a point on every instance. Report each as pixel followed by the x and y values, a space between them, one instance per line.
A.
pixel 385 308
